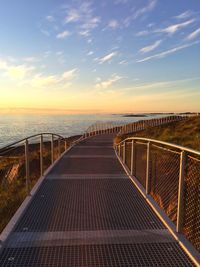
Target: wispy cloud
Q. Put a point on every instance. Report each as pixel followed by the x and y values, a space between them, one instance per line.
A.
pixel 194 34
pixel 90 53
pixel 184 15
pixel 45 32
pixel 63 35
pixel 121 2
pixel 107 58
pixel 161 84
pixel 31 59
pixel 151 47
pixel 142 33
pixel 15 71
pixel 50 18
pixel 168 52
pixel 108 83
pixel 148 8
pixel 64 79
pixel 140 12
pixel 83 15
pixel 113 24
pixel 70 74
pixel 175 27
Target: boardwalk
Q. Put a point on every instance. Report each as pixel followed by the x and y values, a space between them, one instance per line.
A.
pixel 88 213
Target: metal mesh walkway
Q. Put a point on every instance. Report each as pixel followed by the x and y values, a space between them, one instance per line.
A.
pixel 88 213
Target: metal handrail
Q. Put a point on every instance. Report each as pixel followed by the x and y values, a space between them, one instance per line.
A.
pixel 25 142
pixel 182 148
pixel 184 153
pixel 29 137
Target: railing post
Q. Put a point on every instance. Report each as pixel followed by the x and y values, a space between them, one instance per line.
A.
pixel 65 144
pixel 124 152
pixel 133 157
pixel 41 155
pixel 27 167
pixel 59 147
pixel 148 168
pixel 181 192
pixel 52 149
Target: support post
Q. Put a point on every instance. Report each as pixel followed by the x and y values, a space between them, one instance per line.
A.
pixel 181 192
pixel 133 157
pixel 59 147
pixel 65 144
pixel 148 168
pixel 124 152
pixel 52 149
pixel 27 167
pixel 41 155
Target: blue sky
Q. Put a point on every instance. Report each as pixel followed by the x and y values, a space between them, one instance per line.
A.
pixel 104 56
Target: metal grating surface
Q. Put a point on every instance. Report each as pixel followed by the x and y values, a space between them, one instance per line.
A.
pixel 91 151
pixel 115 255
pixel 77 205
pixel 88 165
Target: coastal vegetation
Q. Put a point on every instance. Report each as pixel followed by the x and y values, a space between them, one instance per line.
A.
pixel 185 133
pixel 13 187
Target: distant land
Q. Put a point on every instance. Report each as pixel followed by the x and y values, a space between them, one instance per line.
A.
pixel 150 114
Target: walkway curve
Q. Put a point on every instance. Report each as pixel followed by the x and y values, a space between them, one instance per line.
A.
pixel 88 213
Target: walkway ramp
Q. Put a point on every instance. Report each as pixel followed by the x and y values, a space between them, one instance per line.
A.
pixel 88 213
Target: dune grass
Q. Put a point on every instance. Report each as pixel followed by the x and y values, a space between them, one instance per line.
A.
pixel 185 133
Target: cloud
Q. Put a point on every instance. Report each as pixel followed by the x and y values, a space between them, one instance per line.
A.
pixel 168 52
pixel 113 24
pixel 50 18
pixel 162 84
pixel 15 71
pixel 194 34
pixel 175 27
pixel 148 8
pixel 107 58
pixel 184 15
pixel 90 53
pixel 45 32
pixel 84 17
pixel 140 12
pixel 142 33
pixel 31 59
pixel 64 79
pixel 70 74
pixel 63 35
pixel 121 2
pixel 149 48
pixel 105 84
pixel 73 16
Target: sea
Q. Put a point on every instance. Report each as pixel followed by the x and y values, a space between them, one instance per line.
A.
pixel 14 127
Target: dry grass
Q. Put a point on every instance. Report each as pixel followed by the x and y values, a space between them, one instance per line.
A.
pixel 12 175
pixel 185 133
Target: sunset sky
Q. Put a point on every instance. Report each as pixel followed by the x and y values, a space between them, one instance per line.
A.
pixel 100 56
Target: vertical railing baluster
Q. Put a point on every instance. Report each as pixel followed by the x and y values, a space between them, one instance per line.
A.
pixel 181 192
pixel 52 148
pixel 124 152
pixel 65 144
pixel 133 157
pixel 27 167
pixel 41 155
pixel 148 168
pixel 59 147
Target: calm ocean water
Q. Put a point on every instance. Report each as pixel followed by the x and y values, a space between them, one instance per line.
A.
pixel 16 127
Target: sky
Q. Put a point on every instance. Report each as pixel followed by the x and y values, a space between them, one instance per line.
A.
pixel 100 56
